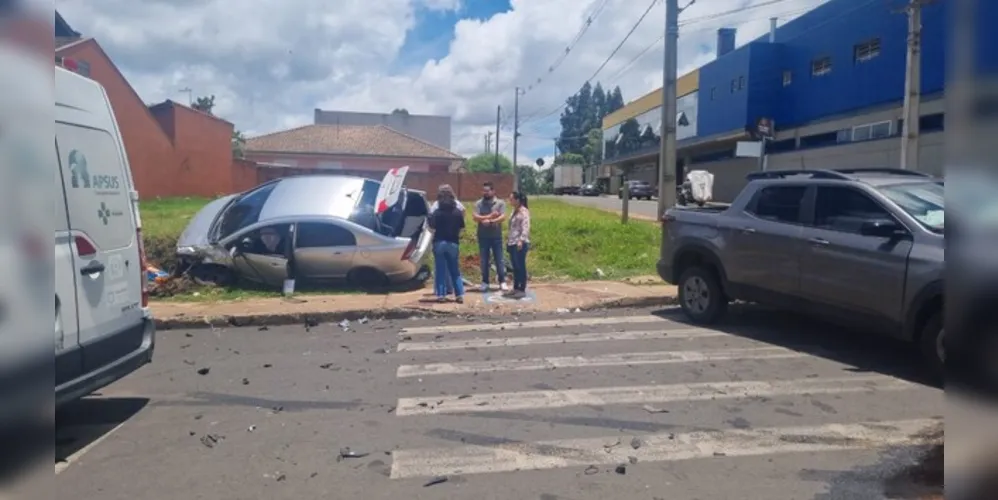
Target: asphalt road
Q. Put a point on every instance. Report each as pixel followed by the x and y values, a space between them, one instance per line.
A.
pixel 636 405
pixel 642 208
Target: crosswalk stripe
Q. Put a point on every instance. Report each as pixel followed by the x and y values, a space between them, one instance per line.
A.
pixel 568 338
pixel 664 447
pixel 622 359
pixel 552 323
pixel 604 396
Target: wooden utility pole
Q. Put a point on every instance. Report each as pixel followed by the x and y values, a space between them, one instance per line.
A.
pixel 488 141
pixel 912 86
pixel 516 137
pixel 498 120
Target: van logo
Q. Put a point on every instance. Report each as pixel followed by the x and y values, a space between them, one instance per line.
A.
pixel 78 169
pixel 80 175
pixel 104 213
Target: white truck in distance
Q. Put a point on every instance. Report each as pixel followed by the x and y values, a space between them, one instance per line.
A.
pixel 567 179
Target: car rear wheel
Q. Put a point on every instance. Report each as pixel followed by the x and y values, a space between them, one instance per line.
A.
pixel 932 346
pixel 367 278
pixel 701 296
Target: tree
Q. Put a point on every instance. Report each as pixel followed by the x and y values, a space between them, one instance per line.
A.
pixel 593 150
pixel 400 111
pixel 205 104
pixel 486 163
pixel 238 144
pixel 584 113
pixel 532 180
pixel 569 159
pixel 614 101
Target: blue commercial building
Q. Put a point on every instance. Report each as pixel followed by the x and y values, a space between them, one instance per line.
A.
pixel 832 82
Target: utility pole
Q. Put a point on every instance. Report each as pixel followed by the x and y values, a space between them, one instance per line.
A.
pixel 498 119
pixel 912 86
pixel 667 151
pixel 488 142
pixel 516 137
pixel 190 95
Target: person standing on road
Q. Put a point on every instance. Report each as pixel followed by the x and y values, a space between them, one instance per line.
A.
pixel 490 212
pixel 433 208
pixel 518 243
pixel 447 222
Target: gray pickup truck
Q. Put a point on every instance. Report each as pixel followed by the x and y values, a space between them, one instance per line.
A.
pixel 860 247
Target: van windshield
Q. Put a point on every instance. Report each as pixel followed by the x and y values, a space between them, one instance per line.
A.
pixel 243 211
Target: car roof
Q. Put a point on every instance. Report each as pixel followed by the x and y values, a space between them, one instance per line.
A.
pixel 313 195
pixel 877 177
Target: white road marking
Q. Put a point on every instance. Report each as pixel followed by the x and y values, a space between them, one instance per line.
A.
pixel 70 460
pixel 568 338
pixel 552 323
pixel 622 359
pixel 604 396
pixel 663 447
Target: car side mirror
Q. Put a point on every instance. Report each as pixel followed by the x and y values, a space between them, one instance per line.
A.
pixel 882 228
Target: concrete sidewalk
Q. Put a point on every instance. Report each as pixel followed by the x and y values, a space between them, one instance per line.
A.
pixel 586 295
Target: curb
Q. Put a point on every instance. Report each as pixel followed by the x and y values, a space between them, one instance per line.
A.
pixel 281 319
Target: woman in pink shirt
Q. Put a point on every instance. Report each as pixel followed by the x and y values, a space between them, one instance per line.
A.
pixel 518 243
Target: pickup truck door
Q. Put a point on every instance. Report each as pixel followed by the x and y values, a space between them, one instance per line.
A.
pixel 853 273
pixel 764 254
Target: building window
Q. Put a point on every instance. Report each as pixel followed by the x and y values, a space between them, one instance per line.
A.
pixel 821 66
pixel 741 82
pixel 788 77
pixel 871 131
pixel 867 50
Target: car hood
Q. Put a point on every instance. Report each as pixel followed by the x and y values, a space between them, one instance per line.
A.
pixel 195 236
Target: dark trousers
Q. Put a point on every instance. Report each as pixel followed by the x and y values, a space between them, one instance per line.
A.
pixel 518 261
pixel 491 247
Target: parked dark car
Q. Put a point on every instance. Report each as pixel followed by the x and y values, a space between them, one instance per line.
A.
pixel 863 247
pixel 591 190
pixel 639 190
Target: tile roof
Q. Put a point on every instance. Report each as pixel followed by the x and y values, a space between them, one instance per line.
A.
pixel 362 140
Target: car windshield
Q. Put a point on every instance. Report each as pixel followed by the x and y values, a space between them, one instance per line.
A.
pixel 243 211
pixel 922 200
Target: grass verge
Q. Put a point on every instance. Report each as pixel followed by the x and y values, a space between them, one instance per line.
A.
pixel 568 242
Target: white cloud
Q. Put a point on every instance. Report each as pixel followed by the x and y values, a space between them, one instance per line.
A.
pixel 270 64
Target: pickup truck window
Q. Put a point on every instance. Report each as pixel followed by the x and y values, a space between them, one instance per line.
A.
pixel 845 209
pixel 779 203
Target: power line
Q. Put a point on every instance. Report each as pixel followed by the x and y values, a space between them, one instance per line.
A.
pixel 606 61
pixel 568 49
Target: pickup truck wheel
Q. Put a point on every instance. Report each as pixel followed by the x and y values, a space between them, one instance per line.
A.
pixel 932 346
pixel 700 295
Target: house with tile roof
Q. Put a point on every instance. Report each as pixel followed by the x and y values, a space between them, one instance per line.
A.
pixel 373 149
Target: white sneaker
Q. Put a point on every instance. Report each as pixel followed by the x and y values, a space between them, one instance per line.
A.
pixel 504 287
pixel 485 287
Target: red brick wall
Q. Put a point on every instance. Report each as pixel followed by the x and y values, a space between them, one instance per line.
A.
pixel 380 165
pixel 467 186
pixel 244 176
pixel 150 154
pixel 203 147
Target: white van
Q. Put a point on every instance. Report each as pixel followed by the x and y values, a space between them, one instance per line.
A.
pixel 103 329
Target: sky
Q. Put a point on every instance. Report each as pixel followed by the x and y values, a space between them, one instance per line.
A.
pixel 271 63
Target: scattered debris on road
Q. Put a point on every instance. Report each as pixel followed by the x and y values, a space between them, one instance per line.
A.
pixel 203 371
pixel 435 481
pixel 635 443
pixel 210 440
pixel 592 469
pixel 621 469
pixel 245 381
pixel 632 460
pixel 609 447
pixel 251 428
pixel 654 409
pixel 348 453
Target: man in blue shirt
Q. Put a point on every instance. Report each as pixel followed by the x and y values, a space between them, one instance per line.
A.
pixel 489 213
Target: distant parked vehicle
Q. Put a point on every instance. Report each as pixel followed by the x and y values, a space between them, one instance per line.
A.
pixel 864 247
pixel 567 179
pixel 638 190
pixel 591 190
pixel 316 229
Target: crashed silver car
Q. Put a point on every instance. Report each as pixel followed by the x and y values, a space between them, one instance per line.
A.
pixel 314 229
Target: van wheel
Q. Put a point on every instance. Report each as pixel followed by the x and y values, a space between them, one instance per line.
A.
pixel 932 347
pixel 367 278
pixel 701 296
pixel 212 274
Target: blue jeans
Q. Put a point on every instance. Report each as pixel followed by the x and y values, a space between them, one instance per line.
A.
pixel 447 275
pixel 518 261
pixel 491 247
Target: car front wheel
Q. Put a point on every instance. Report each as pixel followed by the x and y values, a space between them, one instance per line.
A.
pixel 932 346
pixel 701 296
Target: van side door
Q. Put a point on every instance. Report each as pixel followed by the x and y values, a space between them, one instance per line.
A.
pixel 68 355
